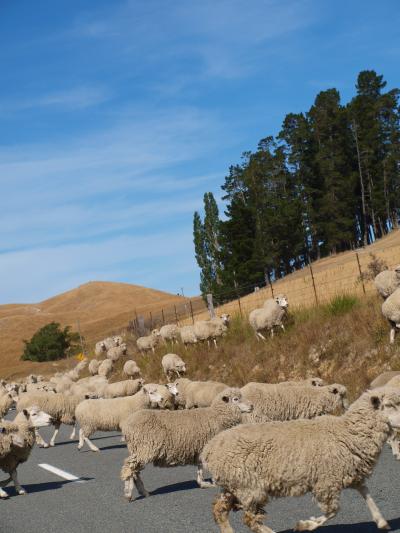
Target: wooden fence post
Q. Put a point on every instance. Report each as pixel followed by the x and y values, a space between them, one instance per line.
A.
pixel 210 305
pixel 191 310
pixel 163 318
pixel 240 307
pixel 151 321
pixel 361 274
pixel 176 315
pixel 270 284
pixel 313 282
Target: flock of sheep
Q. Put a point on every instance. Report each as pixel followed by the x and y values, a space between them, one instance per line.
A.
pixel 259 442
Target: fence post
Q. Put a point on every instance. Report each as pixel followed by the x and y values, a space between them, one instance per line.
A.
pixel 361 274
pixel 210 305
pixel 313 282
pixel 191 310
pixel 270 284
pixel 240 307
pixel 176 314
pixel 151 321
pixel 163 318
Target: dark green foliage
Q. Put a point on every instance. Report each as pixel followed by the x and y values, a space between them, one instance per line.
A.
pixel 50 343
pixel 329 182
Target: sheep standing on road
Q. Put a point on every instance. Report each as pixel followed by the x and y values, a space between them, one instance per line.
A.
pixel 253 463
pixel 172 438
pixel 145 344
pixel 269 316
pixel 131 369
pixel 172 365
pixel 387 282
pixel 170 333
pixel 119 389
pixel 391 311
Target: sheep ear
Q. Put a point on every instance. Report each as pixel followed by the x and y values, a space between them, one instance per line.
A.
pixel 87 396
pixel 375 401
pixel 225 399
pixel 26 414
pixel 334 390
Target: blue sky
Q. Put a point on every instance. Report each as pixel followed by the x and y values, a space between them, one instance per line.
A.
pixel 118 115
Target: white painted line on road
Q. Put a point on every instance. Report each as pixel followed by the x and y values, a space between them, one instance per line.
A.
pixel 61 473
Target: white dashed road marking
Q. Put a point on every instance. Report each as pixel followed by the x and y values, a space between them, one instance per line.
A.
pixel 61 473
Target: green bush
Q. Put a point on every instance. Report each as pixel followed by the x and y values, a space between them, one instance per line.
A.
pixel 340 305
pixel 50 343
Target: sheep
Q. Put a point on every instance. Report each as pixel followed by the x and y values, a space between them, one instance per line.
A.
pixel 100 348
pixel 391 311
pixel 105 368
pixel 188 335
pixel 383 379
pixel 107 415
pixel 277 402
pixel 117 352
pixel 122 388
pixel 59 406
pixel 6 401
pixel 189 394
pixel 387 282
pixel 172 438
pixel 173 364
pixel 16 441
pixel 170 332
pixel 131 369
pixel 76 371
pixel 253 463
pixel 145 344
pixel 269 316
pixel 312 382
pixel 92 386
pixel 93 366
pixel 206 330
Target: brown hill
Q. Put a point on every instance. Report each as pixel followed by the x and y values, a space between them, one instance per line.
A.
pixel 102 308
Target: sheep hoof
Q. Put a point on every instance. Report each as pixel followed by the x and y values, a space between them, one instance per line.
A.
pixel 305 525
pixel 206 484
pixel 382 524
pixel 3 496
pixel 22 492
pixel 45 445
pixel 51 444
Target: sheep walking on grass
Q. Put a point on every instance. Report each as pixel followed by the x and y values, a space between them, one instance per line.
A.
pixel 211 330
pixel 131 369
pixel 269 316
pixel 255 463
pixel 387 282
pixel 173 366
pixel 391 311
pixel 188 335
pixel 172 438
pixel 170 333
pixel 149 342
pixel 94 367
pixel 105 368
pixel 6 401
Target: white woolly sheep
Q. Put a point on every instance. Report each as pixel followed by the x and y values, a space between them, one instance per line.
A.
pixel 277 402
pixel 172 438
pixel 16 441
pixel 269 316
pixel 189 394
pixel 391 311
pixel 105 368
pixel 127 387
pixel 170 332
pixel 131 369
pixel 92 386
pixel 117 352
pixel 149 342
pixel 187 335
pixel 387 282
pixel 107 415
pixel 172 365
pixel 100 348
pixel 254 463
pixel 383 379
pixel 6 401
pixel 94 367
pixel 207 330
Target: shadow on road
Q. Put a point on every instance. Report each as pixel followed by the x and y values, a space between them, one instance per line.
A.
pixel 176 487
pixel 364 527
pixel 113 447
pixel 43 487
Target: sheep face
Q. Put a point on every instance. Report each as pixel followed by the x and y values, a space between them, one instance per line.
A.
pixel 154 395
pixel 388 402
pixel 282 301
pixel 225 318
pixel 340 391
pixel 173 388
pixel 234 397
pixel 36 417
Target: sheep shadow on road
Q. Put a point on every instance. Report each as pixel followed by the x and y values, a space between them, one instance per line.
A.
pixel 176 487
pixel 43 487
pixel 363 527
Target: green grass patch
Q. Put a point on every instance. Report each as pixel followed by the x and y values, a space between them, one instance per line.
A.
pixel 340 305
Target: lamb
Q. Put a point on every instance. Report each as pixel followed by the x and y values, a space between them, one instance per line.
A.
pixel 189 394
pixel 277 402
pixel 269 316
pixel 145 344
pixel 105 368
pixel 188 335
pixel 387 282
pixel 170 332
pixel 172 438
pixel 94 366
pixel 131 369
pixel 391 311
pixel 122 388
pixel 16 441
pixel 116 352
pixel 59 406
pixel 383 379
pixel 6 401
pixel 253 463
pixel 107 415
pixel 173 364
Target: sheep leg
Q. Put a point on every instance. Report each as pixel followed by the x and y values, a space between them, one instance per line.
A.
pixel 253 521
pixel 222 506
pixel 261 336
pixel 83 439
pixel 72 436
pixel 140 486
pixel 40 440
pixel 394 443
pixel 200 478
pixel 329 507
pixel 272 333
pixel 56 430
pixel 3 494
pixel 392 335
pixel 373 508
pixel 17 486
pixel 283 327
pixel 215 343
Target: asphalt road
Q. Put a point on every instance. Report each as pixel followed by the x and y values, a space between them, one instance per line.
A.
pixel 176 505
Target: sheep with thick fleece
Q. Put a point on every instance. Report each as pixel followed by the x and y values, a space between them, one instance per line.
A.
pixel 6 401
pixel 383 379
pixel 149 342
pixel 206 330
pixel 107 415
pixel 188 335
pixel 189 394
pixel 93 366
pixel 92 386
pixel 172 438
pixel 387 282
pixel 16 441
pixel 116 352
pixel 255 463
pixel 60 407
pixel 131 369
pixel 105 368
pixel 391 311
pixel 170 332
pixel 269 316
pixel 119 389
pixel 76 371
pixel 172 365
pixel 277 402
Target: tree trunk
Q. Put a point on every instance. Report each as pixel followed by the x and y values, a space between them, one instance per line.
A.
pixel 364 213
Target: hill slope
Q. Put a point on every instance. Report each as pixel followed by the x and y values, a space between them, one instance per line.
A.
pixel 102 308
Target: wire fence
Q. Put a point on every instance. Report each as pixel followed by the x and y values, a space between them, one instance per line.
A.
pixel 317 283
